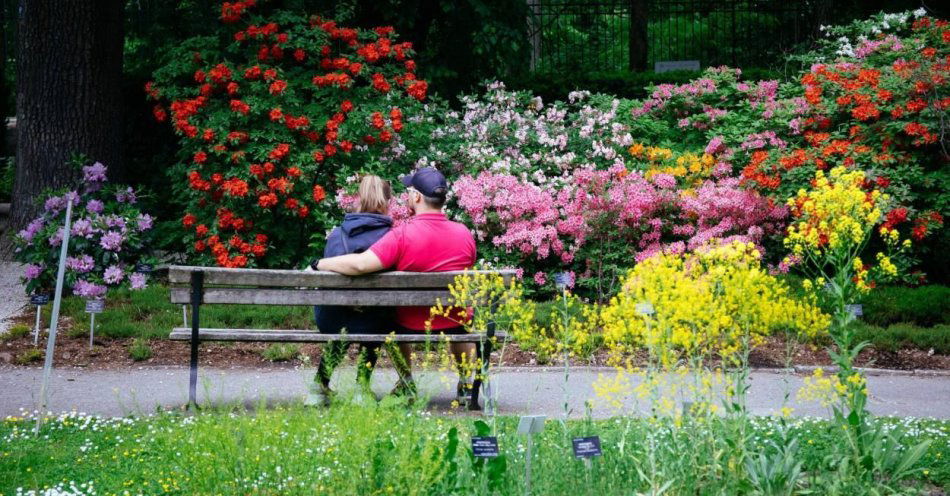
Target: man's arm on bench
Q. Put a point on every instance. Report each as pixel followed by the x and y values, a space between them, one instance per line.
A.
pixel 354 264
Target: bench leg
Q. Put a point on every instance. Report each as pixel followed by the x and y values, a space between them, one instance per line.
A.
pixel 197 289
pixel 482 356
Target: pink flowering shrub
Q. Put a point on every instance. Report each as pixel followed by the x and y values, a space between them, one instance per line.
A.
pixel 595 223
pixel 564 187
pixel 723 114
pixel 109 237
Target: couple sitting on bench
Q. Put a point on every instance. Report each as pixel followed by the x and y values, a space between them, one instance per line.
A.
pixel 366 242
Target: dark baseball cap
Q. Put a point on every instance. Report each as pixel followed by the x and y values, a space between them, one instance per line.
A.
pixel 428 181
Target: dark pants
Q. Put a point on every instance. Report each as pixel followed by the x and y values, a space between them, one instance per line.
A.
pixel 334 352
pixel 335 320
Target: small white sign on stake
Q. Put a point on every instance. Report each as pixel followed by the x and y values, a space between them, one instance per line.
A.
pixel 39 300
pixel 645 308
pixel 530 425
pixel 92 308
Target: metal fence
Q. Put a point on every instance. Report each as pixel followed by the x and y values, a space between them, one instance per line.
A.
pixel 612 35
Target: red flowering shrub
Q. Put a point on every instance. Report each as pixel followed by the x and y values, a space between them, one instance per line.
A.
pixel 273 113
pixel 874 95
pixel 880 105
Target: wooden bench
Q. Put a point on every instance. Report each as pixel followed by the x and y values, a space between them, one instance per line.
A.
pixel 198 286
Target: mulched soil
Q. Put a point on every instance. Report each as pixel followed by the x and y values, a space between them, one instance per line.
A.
pixel 107 353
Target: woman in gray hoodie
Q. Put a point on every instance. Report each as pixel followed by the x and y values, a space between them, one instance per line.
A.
pixel 358 232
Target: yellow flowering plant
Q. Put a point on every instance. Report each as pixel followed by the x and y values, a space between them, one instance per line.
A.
pixel 715 301
pixel 479 300
pixel 831 227
pixel 690 169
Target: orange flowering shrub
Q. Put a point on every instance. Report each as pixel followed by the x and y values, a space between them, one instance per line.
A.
pixel 272 114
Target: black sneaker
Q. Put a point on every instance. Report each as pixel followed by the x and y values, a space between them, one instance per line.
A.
pixel 463 391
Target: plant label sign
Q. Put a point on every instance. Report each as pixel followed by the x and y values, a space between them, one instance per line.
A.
pixel 586 447
pixel 856 310
pixel 485 446
pixel 531 424
pixel 39 299
pixel 676 65
pixel 95 306
pixel 143 268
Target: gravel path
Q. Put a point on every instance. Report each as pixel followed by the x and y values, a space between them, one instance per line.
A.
pixel 12 296
pixel 519 391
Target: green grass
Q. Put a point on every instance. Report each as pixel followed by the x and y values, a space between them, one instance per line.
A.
pixel 16 331
pixel 29 356
pixel 388 450
pixel 149 314
pixel 281 352
pixel 903 335
pixel 140 350
pixel 923 306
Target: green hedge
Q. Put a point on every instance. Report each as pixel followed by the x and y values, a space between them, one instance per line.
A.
pixel 556 86
pixel 902 336
pixel 924 306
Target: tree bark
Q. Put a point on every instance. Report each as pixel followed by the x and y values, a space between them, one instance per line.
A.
pixel 69 74
pixel 639 14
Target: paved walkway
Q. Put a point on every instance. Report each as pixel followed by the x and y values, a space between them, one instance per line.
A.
pixel 536 391
pixel 13 298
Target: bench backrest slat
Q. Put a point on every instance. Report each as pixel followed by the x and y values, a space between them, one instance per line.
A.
pixel 255 296
pixel 181 275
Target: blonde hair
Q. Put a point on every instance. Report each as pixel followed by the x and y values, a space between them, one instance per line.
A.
pixel 374 195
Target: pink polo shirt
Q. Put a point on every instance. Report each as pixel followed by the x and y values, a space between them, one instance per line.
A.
pixel 426 243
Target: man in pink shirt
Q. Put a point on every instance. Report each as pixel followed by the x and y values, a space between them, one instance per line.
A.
pixel 428 242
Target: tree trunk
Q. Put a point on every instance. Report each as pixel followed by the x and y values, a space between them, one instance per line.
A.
pixel 69 74
pixel 639 14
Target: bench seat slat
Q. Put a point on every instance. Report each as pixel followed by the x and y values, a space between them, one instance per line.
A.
pixel 181 274
pixel 363 297
pixel 303 336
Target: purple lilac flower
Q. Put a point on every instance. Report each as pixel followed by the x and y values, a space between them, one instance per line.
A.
pixel 81 264
pixel 116 221
pixel 94 206
pixel 113 275
pixel 87 289
pixel 54 204
pixel 82 227
pixel 127 196
pixel 33 271
pixel 57 238
pixel 72 196
pixel 111 241
pixel 138 280
pixel 540 278
pixel 570 278
pixel 31 229
pixel 145 222
pixel 95 173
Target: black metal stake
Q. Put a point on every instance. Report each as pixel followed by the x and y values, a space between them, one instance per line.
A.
pixel 197 291
pixel 482 355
